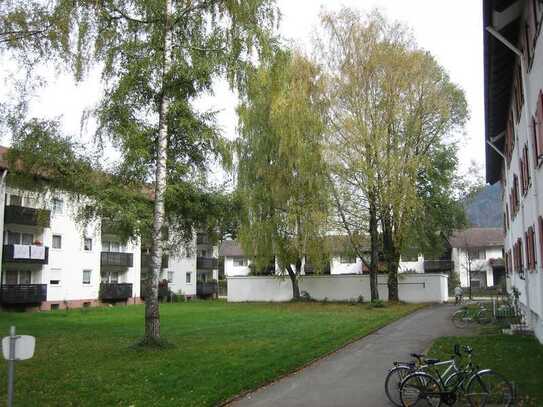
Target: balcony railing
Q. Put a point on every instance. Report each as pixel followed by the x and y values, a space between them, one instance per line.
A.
pixel 116 259
pixel 438 265
pixel 115 291
pixel 22 215
pixel 23 293
pixel 207 263
pixel 25 253
pixel 206 289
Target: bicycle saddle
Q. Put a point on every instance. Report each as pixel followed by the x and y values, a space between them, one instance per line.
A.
pixel 416 355
pixel 431 361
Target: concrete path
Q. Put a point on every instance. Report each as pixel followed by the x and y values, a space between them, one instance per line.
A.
pixel 354 376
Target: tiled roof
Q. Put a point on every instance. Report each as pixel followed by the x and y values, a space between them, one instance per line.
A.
pixel 477 237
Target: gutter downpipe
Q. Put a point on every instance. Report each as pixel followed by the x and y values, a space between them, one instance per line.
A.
pixel 2 210
pixel 527 112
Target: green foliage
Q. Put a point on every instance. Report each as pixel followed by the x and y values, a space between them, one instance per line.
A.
pixel 282 178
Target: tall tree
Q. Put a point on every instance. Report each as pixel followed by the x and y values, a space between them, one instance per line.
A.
pixel 282 177
pixel 391 102
pixel 156 57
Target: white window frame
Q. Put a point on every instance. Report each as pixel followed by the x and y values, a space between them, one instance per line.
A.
pixel 188 277
pixel 169 274
pixel 57 209
pixel 84 241
pixel 244 262
pixel 53 241
pixel 90 277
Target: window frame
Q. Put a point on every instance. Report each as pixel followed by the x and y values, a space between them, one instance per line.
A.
pixel 85 282
pixel 53 241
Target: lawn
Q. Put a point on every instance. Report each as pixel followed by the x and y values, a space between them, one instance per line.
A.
pixel 519 358
pixel 84 357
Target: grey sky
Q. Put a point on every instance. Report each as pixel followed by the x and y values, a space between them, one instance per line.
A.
pixel 450 30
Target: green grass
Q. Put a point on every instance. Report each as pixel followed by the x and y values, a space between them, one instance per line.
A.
pixel 85 358
pixel 519 358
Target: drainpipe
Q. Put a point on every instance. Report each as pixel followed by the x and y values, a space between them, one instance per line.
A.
pixel 527 113
pixel 2 209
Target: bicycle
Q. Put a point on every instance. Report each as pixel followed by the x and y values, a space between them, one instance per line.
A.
pixel 401 370
pixel 479 387
pixel 466 316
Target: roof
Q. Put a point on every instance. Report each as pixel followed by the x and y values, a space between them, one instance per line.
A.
pixel 231 248
pixel 499 63
pixel 477 237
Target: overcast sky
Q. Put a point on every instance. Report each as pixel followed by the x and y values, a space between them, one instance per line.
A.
pixel 450 30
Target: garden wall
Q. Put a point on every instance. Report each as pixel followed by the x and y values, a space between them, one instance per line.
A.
pixel 413 287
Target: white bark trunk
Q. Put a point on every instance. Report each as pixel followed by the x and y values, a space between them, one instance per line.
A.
pixel 152 315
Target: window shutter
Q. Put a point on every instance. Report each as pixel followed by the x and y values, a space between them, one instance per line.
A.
pixel 530 27
pixel 527 166
pixel 539 123
pixel 540 222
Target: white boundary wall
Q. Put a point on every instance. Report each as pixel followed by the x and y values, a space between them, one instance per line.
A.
pixel 412 288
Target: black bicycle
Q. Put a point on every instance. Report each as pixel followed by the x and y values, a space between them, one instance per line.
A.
pixel 477 387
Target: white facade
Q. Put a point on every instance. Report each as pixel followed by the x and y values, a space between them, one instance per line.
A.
pixel 236 266
pixel 73 269
pixel 524 121
pixel 482 273
pixel 415 288
pixel 181 273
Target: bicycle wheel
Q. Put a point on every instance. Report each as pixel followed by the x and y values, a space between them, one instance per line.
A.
pixel 484 316
pixel 488 388
pixel 393 382
pixel 461 318
pixel 420 389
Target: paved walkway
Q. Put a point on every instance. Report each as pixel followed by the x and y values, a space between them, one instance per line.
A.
pixel 354 376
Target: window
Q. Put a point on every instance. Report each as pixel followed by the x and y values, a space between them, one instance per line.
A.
pixel 529 238
pixel 27 238
pixel 170 276
pixel 87 276
pixel 111 246
pixel 476 254
pixel 347 259
pixel 57 242
pixel 240 262
pixel 188 277
pixel 54 276
pixel 31 202
pixel 87 244
pixel 55 307
pixel 11 277
pixel 24 277
pixel 537 130
pixel 20 238
pixel 58 206
pixel 54 282
pixel 15 200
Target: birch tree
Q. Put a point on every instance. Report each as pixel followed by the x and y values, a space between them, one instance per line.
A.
pixel 390 103
pixel 156 57
pixel 281 177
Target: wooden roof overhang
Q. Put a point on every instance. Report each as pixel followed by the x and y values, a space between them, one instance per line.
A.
pixel 499 64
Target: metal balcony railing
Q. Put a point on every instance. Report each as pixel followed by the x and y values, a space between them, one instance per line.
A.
pixel 23 293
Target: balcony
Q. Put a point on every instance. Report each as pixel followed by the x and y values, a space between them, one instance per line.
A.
pixel 22 215
pixel 206 289
pixel 431 266
pixel 24 253
pixel 202 238
pixel 115 291
pixel 116 259
pixel 23 293
pixel 207 263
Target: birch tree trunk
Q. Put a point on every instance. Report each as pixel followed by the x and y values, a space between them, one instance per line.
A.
pixel 152 314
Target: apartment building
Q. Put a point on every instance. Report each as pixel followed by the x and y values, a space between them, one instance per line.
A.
pixel 513 72
pixel 49 261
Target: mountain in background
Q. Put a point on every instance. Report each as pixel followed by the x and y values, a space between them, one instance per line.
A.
pixel 485 208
